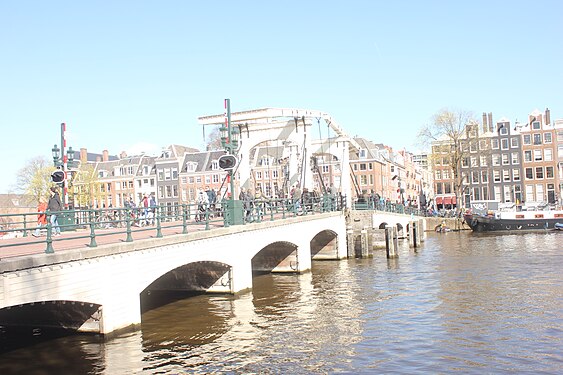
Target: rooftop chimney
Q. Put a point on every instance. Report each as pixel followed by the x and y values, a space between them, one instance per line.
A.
pixel 491 121
pixel 547 116
pixel 83 155
pixel 105 155
pixel 485 126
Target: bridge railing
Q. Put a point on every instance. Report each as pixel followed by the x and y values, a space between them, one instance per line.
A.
pixel 130 222
pixel 387 207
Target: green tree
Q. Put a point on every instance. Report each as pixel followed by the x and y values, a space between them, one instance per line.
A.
pixel 34 179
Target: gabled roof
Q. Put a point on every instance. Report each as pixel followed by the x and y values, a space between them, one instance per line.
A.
pixel 201 159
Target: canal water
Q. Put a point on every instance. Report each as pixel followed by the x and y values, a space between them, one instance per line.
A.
pixel 462 303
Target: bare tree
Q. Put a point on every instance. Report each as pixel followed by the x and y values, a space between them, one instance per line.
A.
pixel 214 140
pixel 34 179
pixel 452 133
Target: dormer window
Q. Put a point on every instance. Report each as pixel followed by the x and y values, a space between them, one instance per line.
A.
pixel 536 125
pixel 363 153
pixel 214 165
pixel 191 167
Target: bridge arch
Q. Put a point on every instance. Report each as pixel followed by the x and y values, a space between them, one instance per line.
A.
pixel 324 245
pixel 52 315
pixel 279 256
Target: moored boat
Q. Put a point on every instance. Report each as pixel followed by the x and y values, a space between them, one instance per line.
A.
pixel 515 220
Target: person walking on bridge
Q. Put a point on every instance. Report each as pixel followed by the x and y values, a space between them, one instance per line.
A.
pixel 54 207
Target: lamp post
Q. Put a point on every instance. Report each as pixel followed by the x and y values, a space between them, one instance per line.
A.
pixel 61 162
pixel 230 142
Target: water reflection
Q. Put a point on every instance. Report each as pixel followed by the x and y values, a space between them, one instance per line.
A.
pixel 461 303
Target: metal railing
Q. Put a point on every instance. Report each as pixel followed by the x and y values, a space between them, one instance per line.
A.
pixel 92 224
pixel 396 208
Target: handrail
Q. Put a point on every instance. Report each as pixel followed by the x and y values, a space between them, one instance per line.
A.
pixel 93 224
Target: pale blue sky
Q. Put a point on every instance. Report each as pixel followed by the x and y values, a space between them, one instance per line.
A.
pixel 124 73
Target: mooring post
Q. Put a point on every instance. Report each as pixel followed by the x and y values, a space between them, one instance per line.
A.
pixel 421 230
pixel 350 242
pixel 391 241
pixel 365 243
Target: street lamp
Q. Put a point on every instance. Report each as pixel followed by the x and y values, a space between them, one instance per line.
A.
pixel 230 142
pixel 61 162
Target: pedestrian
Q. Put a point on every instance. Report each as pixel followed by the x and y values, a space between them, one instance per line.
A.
pixel 54 207
pixel 41 217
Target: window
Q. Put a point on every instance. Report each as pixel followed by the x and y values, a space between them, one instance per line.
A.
pixel 497 193
pixel 259 174
pixel 484 177
pixel 528 156
pixel 549 172
pixel 439 188
pixel 446 174
pixel 504 144
pixel 215 178
pixel 207 180
pixel 537 139
pixel 473 146
pixel 504 130
pixel 507 195
pixel 438 174
pixel 174 173
pixel 214 165
pixel 539 173
pixel 494 143
pixel 474 162
pixel 505 160
pixel 496 159
pixel 485 192
pixel 190 167
pixel 363 153
pixel 370 166
pixel 496 176
pixel 536 125
pixel 546 137
pixel 537 155
pixel 515 158
pixel 464 179
pixel 527 139
pixel 363 167
pixel 465 162
pixel 447 188
pixel 483 160
pixel 548 154
pixel 529 173
pixel 506 175
pixel 475 177
pixel 516 174
pixel 167 174
pixel 275 172
pixel 476 195
pixel 530 193
pixel 539 193
pixel 514 142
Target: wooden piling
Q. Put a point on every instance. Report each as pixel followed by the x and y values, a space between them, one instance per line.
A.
pixel 391 242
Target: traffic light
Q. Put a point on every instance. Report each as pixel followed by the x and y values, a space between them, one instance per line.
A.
pixel 227 162
pixel 58 176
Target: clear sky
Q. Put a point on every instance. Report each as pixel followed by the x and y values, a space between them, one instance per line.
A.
pixel 136 75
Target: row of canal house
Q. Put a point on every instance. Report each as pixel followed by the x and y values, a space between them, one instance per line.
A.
pixel 179 172
pixel 516 163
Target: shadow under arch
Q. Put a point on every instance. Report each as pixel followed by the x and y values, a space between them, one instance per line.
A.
pixel 185 281
pixel 280 256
